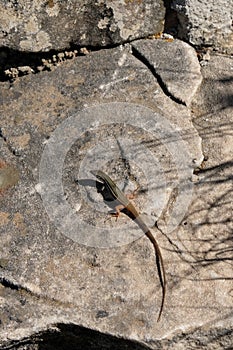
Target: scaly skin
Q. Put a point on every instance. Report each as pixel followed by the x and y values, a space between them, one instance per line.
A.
pixel 111 192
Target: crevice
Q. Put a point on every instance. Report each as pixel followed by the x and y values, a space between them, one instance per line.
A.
pixel 19 288
pixel 171 19
pixel 15 63
pixel 8 284
pixel 163 86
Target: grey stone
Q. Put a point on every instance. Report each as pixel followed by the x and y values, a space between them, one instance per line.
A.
pixel 49 280
pixel 206 23
pixel 215 92
pixel 47 25
pixel 175 63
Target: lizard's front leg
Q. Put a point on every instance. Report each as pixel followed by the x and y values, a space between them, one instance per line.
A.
pixel 117 212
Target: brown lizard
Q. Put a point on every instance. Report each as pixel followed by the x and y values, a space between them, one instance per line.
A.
pixel 111 193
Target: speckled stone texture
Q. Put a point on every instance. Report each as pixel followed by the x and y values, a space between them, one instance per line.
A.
pixel 206 23
pixel 42 25
pixel 53 288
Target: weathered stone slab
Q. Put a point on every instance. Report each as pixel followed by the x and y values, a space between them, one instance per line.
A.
pixel 215 92
pixel 53 279
pixel 175 63
pixel 206 23
pixel 46 25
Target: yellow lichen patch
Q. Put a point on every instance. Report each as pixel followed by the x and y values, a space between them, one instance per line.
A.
pixel 156 35
pixel 21 141
pixel 9 176
pixel 169 40
pixel 18 221
pixel 4 218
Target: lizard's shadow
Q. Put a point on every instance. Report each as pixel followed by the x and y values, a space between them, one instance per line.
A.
pixel 108 198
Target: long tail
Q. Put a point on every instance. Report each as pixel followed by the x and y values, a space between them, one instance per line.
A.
pixel 161 269
pixel 132 212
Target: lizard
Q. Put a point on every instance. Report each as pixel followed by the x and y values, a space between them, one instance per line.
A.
pixel 111 193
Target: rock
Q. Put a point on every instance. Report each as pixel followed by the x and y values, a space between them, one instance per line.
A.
pixel 52 283
pixel 215 92
pixel 206 23
pixel 181 76
pixel 55 25
pixel 8 176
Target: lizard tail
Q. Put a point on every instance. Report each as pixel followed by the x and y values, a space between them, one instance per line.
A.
pixel 160 267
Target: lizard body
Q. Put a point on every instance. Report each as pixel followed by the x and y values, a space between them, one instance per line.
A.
pixel 111 193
